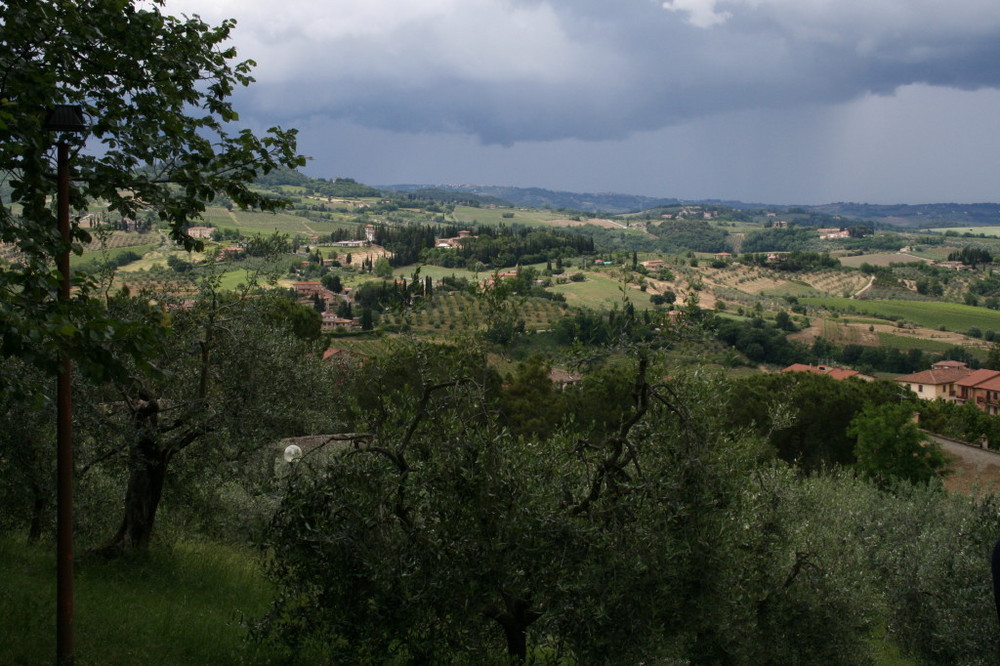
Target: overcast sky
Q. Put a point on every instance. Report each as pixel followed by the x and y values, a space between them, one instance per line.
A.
pixel 776 101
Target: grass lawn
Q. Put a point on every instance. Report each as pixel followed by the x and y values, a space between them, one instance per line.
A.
pixel 182 605
pixel 234 278
pixel 598 291
pixel 932 314
pixel 438 272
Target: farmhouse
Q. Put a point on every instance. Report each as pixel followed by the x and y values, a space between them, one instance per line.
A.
pixel 343 354
pixel 496 277
pixel 308 288
pixel 331 321
pixel 653 263
pixel 953 265
pixel 982 388
pixel 837 232
pixel 454 242
pixel 563 378
pixel 938 382
pixel 948 363
pixel 200 232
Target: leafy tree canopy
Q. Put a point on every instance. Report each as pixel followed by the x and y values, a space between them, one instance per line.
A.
pixel 891 447
pixel 154 90
pixel 971 256
pixel 805 416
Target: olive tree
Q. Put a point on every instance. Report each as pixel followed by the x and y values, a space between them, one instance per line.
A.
pixel 441 537
pixel 229 383
pixel 27 460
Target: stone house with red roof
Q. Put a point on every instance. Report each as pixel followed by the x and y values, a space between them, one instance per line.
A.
pixel 982 388
pixel 938 382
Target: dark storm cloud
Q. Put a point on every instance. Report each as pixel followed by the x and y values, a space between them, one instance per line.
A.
pixel 781 100
pixel 521 70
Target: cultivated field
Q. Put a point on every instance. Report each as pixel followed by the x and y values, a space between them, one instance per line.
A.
pixel 449 312
pixel 250 222
pixel 844 331
pixel 930 314
pixel 92 257
pixel 988 231
pixel 436 273
pixel 754 280
pixel 880 259
pixel 599 291
pixel 493 216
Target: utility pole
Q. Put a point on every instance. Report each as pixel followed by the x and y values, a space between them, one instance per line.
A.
pixel 64 118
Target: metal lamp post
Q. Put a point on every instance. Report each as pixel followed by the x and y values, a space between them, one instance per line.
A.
pixel 64 118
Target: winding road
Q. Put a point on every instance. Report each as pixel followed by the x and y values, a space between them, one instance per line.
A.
pixel 972 467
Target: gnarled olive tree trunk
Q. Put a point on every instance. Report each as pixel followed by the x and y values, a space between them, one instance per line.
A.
pixel 150 453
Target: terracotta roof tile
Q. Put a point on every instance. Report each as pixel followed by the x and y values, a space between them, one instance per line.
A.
pixel 935 377
pixel 990 384
pixel 842 373
pixel 976 377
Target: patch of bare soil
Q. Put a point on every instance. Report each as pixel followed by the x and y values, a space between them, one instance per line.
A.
pixel 932 334
pixel 973 471
pixel 846 333
pixel 706 300
pixel 859 333
pixel 359 254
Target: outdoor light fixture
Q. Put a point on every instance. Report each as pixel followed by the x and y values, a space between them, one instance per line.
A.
pixel 64 118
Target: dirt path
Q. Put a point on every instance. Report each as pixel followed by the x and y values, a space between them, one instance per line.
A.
pixel 865 288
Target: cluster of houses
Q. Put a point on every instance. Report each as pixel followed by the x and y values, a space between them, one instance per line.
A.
pixel 688 212
pixel 834 233
pixel 951 265
pixel 308 291
pixel 956 382
pixel 453 243
pixel 368 239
